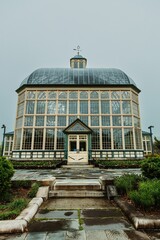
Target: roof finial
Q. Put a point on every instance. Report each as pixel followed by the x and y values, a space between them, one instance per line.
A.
pixel 77 49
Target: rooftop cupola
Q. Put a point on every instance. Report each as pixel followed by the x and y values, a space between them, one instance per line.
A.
pixel 78 61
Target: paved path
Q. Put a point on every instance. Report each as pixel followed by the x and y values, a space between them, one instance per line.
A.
pixel 80 219
pixel 70 173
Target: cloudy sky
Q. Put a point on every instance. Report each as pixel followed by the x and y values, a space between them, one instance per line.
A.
pixel 122 34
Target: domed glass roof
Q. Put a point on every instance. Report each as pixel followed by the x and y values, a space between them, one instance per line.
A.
pixel 78 76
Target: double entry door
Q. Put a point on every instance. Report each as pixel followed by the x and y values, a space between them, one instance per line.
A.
pixel 77 148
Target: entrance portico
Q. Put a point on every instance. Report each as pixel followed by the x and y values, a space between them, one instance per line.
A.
pixel 78 141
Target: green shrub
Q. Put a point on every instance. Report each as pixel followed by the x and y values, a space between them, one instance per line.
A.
pixel 127 183
pixel 34 189
pixel 18 204
pixel 151 167
pixel 119 163
pixel 21 183
pixel 147 195
pixel 8 215
pixel 6 173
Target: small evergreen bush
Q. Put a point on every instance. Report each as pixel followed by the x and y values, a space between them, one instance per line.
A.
pixel 151 167
pixel 6 173
pixel 127 183
pixel 147 195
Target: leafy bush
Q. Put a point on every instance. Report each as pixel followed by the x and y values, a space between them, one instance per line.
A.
pixel 34 189
pixel 127 183
pixel 151 167
pixel 147 195
pixel 36 164
pixel 6 173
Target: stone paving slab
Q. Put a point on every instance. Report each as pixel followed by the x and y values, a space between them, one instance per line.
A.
pixel 56 235
pixel 53 225
pixel 106 224
pixel 39 174
pixel 42 214
pixel 116 235
pixel 77 203
pixel 102 213
pixel 98 234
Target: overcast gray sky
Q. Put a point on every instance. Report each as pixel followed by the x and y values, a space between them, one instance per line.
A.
pixel 122 34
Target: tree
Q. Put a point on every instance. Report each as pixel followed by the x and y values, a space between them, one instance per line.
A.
pixel 156 145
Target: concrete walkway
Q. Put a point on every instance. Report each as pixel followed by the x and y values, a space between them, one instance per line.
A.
pixel 81 219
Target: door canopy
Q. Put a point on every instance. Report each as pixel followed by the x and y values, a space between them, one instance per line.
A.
pixel 77 127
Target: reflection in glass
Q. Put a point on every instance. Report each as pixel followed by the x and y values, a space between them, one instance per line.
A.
pixel 61 121
pixel 50 121
pixel 72 107
pixel 128 138
pixel 116 120
pixel 49 141
pixel 105 120
pixel 106 139
pixel 105 108
pixel 83 95
pixel 126 107
pixel 27 139
pixel 39 120
pixel 84 107
pixel 41 107
pixel 38 139
pixel 94 94
pixel 127 121
pixel 94 120
pixel 117 138
pixel 28 121
pixel 30 107
pixel 62 107
pixel 104 95
pixel 116 107
pixel 94 107
pixel 51 107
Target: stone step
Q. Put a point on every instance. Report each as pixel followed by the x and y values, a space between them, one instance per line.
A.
pixel 77 166
pixel 76 194
pixel 77 184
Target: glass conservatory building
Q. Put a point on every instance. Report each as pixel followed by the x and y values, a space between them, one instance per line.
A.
pixel 77 114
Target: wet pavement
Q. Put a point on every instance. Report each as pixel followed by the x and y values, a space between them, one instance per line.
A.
pixel 71 173
pixel 79 218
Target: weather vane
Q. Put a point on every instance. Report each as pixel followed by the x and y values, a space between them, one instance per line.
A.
pixel 77 49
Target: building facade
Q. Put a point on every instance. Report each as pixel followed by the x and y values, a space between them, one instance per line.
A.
pixel 77 114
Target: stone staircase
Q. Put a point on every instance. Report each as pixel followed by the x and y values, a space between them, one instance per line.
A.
pixel 77 188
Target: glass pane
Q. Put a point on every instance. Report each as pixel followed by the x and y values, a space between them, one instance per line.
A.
pixel 41 107
pixel 62 95
pixel 39 121
pixel 73 95
pixel 41 95
pixel 126 107
pixel 94 94
pixel 27 139
pixel 94 107
pixel 61 121
pixel 138 139
pixel 19 122
pixel 51 107
pixel 71 119
pixel 30 107
pixel 127 121
pixel 105 121
pixel 84 119
pixel 60 139
pixel 73 107
pixel 49 141
pixel 83 107
pixel 52 95
pixel 117 138
pixel 50 121
pixel 106 139
pixel 125 94
pixel 17 140
pixel 62 107
pixel 116 107
pixel 128 138
pixel 28 121
pixel 115 95
pixel 82 146
pixel 95 139
pixel 136 122
pixel 116 121
pixel 31 95
pixel 135 109
pixel 94 121
pixel 20 109
pixel 105 108
pixel 73 146
pixel 105 94
pixel 38 139
pixel 83 95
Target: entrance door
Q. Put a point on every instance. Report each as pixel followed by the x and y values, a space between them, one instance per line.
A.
pixel 77 148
